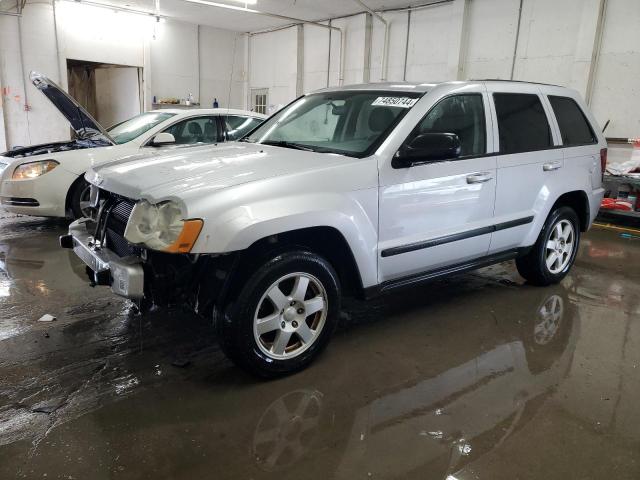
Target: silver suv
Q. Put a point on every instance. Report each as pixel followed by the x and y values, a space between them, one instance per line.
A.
pixel 361 189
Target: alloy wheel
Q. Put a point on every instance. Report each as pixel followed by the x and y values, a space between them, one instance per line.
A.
pixel 559 247
pixel 287 324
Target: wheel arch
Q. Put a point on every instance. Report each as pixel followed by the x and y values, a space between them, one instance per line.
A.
pixel 70 190
pixel 579 202
pixel 326 241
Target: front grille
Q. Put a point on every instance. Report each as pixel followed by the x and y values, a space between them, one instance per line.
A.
pixel 119 245
pixel 118 210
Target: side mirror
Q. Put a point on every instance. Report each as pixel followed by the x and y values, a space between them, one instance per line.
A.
pixel 427 147
pixel 163 138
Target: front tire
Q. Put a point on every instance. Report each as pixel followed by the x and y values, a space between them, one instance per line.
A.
pixel 284 316
pixel 553 254
pixel 79 199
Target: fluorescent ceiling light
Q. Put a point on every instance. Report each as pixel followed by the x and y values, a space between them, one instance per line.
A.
pixel 224 5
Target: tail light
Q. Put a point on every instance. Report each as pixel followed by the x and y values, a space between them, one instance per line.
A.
pixel 603 161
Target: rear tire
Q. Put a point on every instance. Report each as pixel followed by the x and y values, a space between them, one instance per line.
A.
pixel 553 254
pixel 79 198
pixel 283 317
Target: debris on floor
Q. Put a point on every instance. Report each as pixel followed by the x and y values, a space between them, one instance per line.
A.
pixel 47 318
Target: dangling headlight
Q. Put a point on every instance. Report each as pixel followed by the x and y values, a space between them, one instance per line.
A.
pixel 161 227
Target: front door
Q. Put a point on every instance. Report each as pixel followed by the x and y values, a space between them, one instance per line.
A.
pixel 440 213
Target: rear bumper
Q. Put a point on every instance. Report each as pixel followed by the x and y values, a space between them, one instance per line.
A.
pixel 124 275
pixel 595 200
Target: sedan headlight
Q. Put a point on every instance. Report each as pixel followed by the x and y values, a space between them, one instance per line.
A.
pixel 161 227
pixel 30 170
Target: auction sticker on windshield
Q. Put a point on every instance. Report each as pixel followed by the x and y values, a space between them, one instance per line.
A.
pixel 402 102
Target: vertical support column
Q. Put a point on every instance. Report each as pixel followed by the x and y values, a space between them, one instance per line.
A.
pixel 3 130
pixel 368 30
pixel 247 72
pixel 587 46
pixel 406 46
pixel 300 63
pixel 458 39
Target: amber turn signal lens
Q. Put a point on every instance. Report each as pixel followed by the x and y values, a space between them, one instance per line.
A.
pixel 187 238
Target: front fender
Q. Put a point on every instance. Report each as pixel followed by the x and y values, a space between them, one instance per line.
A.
pixel 353 214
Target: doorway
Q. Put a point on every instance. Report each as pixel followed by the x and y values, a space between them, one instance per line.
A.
pixel 110 93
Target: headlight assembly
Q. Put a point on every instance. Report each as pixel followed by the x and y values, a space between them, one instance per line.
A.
pixel 161 227
pixel 30 170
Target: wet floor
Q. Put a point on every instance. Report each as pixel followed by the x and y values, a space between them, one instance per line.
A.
pixel 475 377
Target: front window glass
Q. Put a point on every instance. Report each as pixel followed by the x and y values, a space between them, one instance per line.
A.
pixel 346 122
pixel 462 115
pixel 134 127
pixel 195 130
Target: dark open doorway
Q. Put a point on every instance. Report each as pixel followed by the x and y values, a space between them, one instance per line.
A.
pixel 110 93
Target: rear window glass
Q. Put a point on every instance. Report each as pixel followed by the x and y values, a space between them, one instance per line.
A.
pixel 574 127
pixel 522 123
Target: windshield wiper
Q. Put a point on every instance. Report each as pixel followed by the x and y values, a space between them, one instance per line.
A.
pixel 285 144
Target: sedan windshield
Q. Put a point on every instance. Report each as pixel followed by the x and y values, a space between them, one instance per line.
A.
pixel 350 123
pixel 134 127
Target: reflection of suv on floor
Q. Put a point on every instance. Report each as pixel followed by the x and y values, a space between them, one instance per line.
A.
pixel 360 189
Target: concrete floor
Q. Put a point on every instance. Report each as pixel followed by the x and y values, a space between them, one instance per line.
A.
pixel 475 377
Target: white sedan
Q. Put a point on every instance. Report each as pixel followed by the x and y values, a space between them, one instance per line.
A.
pixel 48 180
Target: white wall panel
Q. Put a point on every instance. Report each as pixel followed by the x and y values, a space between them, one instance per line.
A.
pixel 221 53
pixel 548 39
pixel 101 35
pixel 316 57
pixel 616 94
pixel 174 56
pixel 427 58
pixel 491 36
pixel 42 123
pixel 397 41
pixel 274 64
pixel 354 30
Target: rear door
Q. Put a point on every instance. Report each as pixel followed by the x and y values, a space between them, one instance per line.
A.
pixel 579 141
pixel 440 213
pixel 529 156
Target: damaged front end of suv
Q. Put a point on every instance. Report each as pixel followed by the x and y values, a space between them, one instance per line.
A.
pixel 142 251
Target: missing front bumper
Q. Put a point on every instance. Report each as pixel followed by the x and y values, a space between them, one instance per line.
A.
pixel 124 275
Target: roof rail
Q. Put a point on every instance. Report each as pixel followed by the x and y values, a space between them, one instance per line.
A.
pixel 511 81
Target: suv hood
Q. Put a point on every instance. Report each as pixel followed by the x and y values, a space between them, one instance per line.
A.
pixel 83 124
pixel 200 170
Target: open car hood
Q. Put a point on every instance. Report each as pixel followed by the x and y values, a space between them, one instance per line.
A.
pixel 82 123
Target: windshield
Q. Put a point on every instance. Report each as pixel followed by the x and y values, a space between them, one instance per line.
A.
pixel 136 126
pixel 351 123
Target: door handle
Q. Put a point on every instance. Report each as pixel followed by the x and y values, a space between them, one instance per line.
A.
pixel 548 167
pixel 479 177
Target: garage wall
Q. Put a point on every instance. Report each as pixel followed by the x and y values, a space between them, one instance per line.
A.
pixel 177 59
pixel 274 58
pixel 557 42
pixel 42 122
pixel 616 90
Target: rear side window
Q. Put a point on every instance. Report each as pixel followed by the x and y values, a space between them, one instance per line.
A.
pixel 237 126
pixel 574 127
pixel 522 123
